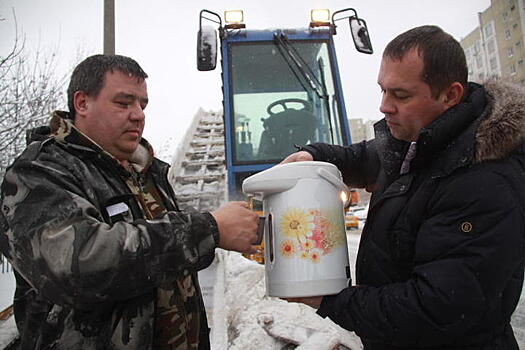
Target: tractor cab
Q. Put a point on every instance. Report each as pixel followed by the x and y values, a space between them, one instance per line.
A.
pixel 281 88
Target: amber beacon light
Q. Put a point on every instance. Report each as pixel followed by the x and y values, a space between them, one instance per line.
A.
pixel 319 17
pixel 234 19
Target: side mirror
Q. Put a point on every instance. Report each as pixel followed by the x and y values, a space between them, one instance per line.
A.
pixel 206 49
pixel 360 35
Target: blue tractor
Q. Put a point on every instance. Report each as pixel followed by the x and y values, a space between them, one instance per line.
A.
pixel 281 87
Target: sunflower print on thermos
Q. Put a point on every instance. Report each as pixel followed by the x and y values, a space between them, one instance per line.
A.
pixel 310 233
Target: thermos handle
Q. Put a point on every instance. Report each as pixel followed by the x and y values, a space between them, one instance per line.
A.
pixel 271 243
pixel 334 180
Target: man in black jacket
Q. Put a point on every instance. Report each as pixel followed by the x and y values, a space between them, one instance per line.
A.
pixel 103 257
pixel 441 257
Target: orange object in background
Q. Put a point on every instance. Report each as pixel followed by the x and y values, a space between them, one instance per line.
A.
pixel 354 197
pixel 257 257
pixel 351 221
pixel 256 206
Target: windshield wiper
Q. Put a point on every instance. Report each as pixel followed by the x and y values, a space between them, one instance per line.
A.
pixel 303 73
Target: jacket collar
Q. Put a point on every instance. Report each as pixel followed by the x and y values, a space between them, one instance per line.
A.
pixel 390 150
pixel 449 141
pixel 444 132
pixel 62 129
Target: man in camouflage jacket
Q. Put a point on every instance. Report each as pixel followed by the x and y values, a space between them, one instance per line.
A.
pixel 103 258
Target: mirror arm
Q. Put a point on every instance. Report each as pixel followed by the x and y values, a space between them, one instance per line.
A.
pixel 333 26
pixel 334 19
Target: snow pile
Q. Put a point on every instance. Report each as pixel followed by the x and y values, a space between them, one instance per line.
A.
pixel 8 332
pixel 7 289
pixel 244 318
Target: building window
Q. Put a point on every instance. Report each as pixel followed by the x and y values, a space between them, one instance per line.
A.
pixel 515 26
pixel 480 76
pixel 491 46
pixel 505 16
pixel 520 62
pixel 477 47
pixel 493 63
pixel 507 34
pixel 518 43
pixel 513 69
pixel 479 62
pixel 510 52
pixel 489 30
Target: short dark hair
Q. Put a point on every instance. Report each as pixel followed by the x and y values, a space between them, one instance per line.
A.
pixel 443 57
pixel 88 76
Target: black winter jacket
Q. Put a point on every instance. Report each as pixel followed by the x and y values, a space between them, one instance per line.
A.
pixel 441 258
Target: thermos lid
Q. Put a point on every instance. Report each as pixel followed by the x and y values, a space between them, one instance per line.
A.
pixel 284 176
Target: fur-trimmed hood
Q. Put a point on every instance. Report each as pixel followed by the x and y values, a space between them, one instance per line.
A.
pixel 503 130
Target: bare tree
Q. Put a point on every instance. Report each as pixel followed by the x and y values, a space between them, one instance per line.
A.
pixel 30 89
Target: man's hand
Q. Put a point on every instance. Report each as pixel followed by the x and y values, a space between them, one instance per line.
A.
pixel 237 227
pixel 301 156
pixel 314 302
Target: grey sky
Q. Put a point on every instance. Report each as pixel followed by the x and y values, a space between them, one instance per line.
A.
pixel 161 36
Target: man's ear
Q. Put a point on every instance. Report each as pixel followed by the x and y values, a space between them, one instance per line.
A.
pixel 453 94
pixel 80 102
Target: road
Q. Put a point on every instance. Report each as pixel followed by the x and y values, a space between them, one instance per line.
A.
pixel 518 318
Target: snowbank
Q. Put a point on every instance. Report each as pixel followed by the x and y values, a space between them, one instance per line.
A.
pixel 244 318
pixel 7 289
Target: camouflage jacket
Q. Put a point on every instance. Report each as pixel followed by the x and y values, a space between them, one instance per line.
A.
pixel 88 263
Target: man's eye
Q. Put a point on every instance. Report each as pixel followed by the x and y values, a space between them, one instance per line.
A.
pixel 123 104
pixel 402 97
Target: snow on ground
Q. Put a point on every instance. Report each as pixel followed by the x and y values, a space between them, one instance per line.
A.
pixel 8 329
pixel 244 318
pixel 7 289
pixel 8 332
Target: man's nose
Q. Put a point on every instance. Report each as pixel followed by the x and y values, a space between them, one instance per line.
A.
pixel 137 113
pixel 387 106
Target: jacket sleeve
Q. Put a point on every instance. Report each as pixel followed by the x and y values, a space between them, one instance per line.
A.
pixel 57 239
pixel 468 252
pixel 359 163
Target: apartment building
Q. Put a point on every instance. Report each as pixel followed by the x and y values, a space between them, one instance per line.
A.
pixel 495 49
